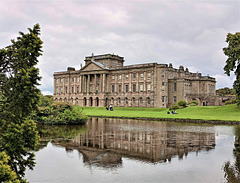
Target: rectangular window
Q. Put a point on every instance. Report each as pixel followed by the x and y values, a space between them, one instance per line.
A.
pixel 141 87
pixel 72 90
pixel 163 73
pixel 134 88
pixel 113 88
pixel 72 80
pixel 78 79
pixel 113 77
pixel 174 99
pixel 141 75
pixel 134 75
pixel 119 77
pixel 119 88
pixel 61 80
pixel 77 89
pixel 162 98
pixel 66 80
pixel 61 89
pixel 162 83
pixel 57 81
pixel 174 87
pixel 126 76
pixel 127 89
pixel 65 89
pixel 148 87
pixel 149 75
pixel 57 91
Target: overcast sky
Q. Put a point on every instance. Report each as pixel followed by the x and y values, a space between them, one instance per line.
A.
pixel 191 33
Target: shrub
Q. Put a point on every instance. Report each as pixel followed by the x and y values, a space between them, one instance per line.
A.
pixel 182 103
pixel 174 107
pixel 193 103
pixel 234 101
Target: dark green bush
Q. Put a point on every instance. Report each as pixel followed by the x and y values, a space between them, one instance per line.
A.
pixel 174 107
pixel 234 101
pixel 182 103
pixel 193 103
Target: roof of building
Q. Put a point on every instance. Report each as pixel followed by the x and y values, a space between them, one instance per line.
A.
pixel 100 65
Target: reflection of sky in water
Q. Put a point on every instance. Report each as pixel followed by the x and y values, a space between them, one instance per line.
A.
pixel 55 165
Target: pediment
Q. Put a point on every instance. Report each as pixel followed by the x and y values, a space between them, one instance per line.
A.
pixel 91 67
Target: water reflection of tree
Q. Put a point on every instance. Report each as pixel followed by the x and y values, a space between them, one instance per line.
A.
pixel 65 132
pixel 232 172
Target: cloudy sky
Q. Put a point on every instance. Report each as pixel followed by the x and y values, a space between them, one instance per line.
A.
pixel 191 33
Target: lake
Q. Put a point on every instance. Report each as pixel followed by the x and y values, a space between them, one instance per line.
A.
pixel 116 150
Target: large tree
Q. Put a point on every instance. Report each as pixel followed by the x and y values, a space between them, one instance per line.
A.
pixel 233 61
pixel 19 95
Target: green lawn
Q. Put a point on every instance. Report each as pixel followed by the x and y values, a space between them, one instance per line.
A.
pixel 224 113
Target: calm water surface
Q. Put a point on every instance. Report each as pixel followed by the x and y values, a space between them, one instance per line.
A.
pixel 114 150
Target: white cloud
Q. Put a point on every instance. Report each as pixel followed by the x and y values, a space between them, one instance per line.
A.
pixel 224 81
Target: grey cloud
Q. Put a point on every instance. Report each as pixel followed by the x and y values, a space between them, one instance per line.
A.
pixel 189 33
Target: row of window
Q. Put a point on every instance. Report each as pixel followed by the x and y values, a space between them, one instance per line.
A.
pixel 134 76
pixel 60 80
pixel 134 88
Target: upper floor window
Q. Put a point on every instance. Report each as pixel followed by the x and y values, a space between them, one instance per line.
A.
pixel 72 80
pixel 134 75
pixel 57 90
pixel 141 75
pixel 57 81
pixel 66 80
pixel 113 77
pixel 127 89
pixel 78 79
pixel 141 87
pixel 162 98
pixel 77 89
pixel 148 87
pixel 119 88
pixel 65 89
pixel 113 88
pixel 119 77
pixel 127 76
pixel 174 87
pixel 149 75
pixel 163 73
pixel 134 88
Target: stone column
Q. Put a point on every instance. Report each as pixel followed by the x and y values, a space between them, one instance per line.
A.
pixel 103 83
pixel 80 84
pixel 100 84
pixel 88 82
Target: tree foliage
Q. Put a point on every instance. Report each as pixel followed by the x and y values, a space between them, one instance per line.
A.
pixel 225 91
pixel 233 60
pixel 19 96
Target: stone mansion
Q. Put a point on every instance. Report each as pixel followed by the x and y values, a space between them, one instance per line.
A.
pixel 104 80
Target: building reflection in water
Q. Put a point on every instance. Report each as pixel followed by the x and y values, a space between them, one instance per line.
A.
pixel 108 140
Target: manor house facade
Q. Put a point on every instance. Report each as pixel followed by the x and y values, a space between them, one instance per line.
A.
pixel 104 80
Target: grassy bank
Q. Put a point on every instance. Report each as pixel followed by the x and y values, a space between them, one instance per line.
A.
pixel 223 113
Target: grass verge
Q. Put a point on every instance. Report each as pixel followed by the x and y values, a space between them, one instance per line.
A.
pixel 221 113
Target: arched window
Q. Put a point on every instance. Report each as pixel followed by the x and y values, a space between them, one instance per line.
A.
pixel 112 101
pixel 84 101
pixel 119 100
pixel 141 100
pixel 133 101
pixel 97 101
pixel 148 100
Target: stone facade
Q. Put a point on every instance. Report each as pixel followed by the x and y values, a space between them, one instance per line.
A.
pixel 104 80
